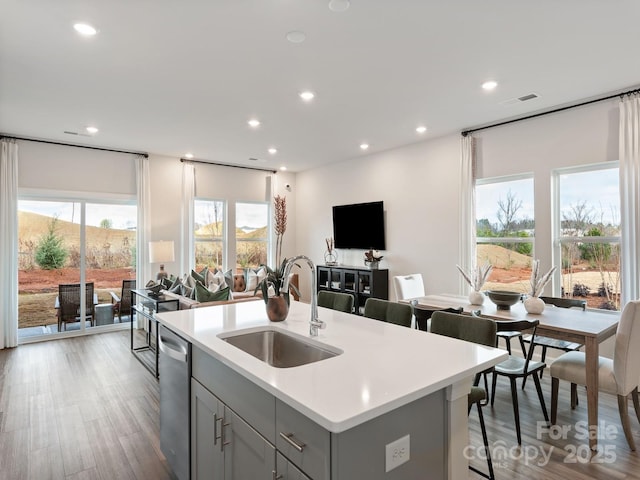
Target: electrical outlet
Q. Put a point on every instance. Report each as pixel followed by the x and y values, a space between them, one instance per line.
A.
pixel 397 453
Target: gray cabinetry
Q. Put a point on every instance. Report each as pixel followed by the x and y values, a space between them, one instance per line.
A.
pixel 240 431
pixel 224 445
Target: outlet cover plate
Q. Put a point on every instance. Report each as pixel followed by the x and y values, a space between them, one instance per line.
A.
pixel 397 453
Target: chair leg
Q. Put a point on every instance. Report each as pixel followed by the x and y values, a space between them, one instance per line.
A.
pixel 508 342
pixel 574 396
pixel 516 410
pixel 555 382
pixel 624 418
pixel 544 355
pixel 524 379
pixel 536 380
pixel 485 440
pixel 493 388
pixel 636 402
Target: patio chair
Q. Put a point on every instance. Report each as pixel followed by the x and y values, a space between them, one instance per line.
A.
pixel 69 304
pixel 122 303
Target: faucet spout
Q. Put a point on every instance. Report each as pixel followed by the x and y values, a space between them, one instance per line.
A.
pixel 314 323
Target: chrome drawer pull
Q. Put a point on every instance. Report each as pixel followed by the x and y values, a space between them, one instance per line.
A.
pixel 288 437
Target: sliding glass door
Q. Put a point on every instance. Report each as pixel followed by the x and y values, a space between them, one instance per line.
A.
pixel 72 259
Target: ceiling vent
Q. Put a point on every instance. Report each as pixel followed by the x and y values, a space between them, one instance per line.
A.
pixel 523 98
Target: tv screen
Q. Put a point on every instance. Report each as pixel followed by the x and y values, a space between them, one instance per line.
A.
pixel 359 225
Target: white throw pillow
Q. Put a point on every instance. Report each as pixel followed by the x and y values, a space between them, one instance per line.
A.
pixel 215 279
pixel 254 277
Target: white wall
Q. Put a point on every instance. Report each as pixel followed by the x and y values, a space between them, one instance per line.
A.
pixel 419 187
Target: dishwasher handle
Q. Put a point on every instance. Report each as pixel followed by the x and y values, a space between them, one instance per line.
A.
pixel 173 350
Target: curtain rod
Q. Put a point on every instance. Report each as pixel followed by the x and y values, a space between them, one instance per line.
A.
pixel 464 133
pixel 50 142
pixel 204 162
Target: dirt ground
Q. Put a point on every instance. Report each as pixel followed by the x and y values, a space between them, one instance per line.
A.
pixel 39 289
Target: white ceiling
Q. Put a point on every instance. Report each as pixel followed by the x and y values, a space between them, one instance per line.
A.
pixel 176 76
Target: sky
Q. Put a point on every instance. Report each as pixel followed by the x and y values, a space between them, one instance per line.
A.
pixel 598 188
pixel 252 215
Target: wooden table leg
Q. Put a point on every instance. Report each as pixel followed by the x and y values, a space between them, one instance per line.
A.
pixel 591 354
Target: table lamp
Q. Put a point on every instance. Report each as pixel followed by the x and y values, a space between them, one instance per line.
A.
pixel 160 252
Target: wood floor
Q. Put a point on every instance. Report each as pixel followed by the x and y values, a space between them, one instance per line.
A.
pixel 79 408
pixel 85 408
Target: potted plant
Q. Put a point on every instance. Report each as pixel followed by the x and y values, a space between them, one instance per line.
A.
pixel 476 280
pixel 372 258
pixel 276 300
pixel 532 303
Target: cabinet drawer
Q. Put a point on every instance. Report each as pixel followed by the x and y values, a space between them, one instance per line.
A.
pixel 303 442
pixel 253 404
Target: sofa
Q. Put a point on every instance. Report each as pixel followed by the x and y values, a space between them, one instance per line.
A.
pixel 240 292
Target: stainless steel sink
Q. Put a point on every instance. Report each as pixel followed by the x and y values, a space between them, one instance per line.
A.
pixel 279 349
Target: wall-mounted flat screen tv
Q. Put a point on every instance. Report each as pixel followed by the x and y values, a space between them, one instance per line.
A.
pixel 359 225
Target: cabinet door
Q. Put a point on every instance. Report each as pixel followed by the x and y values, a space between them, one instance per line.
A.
pixel 247 455
pixel 287 470
pixel 207 417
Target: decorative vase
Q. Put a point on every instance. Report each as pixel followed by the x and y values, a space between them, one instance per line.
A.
pixel 372 265
pixel 331 258
pixel 534 305
pixel 476 297
pixel 277 308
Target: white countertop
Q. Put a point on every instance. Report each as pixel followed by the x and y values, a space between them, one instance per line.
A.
pixel 382 367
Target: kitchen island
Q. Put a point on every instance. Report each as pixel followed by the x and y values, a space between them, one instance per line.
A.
pixel 392 404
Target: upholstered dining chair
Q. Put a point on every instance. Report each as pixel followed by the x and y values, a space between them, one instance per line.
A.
pixel 69 304
pixel 476 330
pixel 122 303
pixel 619 376
pixel 423 315
pixel 342 302
pixel 408 286
pixel 546 342
pixel 518 367
pixel 390 312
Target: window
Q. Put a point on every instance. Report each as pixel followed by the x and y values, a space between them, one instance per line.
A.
pixel 210 232
pixel 252 234
pixel 505 230
pixel 587 230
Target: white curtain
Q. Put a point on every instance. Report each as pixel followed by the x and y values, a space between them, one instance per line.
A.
pixel 8 243
pixel 187 255
pixel 143 270
pixel 629 154
pixel 467 246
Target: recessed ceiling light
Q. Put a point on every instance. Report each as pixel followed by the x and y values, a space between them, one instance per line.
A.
pixel 188 155
pixel 339 5
pixel 490 85
pixel 283 168
pixel 92 130
pixel 421 129
pixel 254 123
pixel 364 146
pixel 272 151
pixel 296 36
pixel 85 29
pixel 307 96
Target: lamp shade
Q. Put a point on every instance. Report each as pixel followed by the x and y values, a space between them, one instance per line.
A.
pixel 160 252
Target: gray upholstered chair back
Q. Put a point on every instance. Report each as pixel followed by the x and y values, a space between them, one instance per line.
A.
pixel 342 302
pixel 390 312
pixel 465 327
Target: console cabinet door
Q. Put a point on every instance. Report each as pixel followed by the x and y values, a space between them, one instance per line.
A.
pixel 247 455
pixel 207 416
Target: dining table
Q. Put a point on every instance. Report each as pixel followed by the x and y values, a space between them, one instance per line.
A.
pixel 587 327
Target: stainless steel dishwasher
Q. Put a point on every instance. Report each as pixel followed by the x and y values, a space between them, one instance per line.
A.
pixel 175 400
